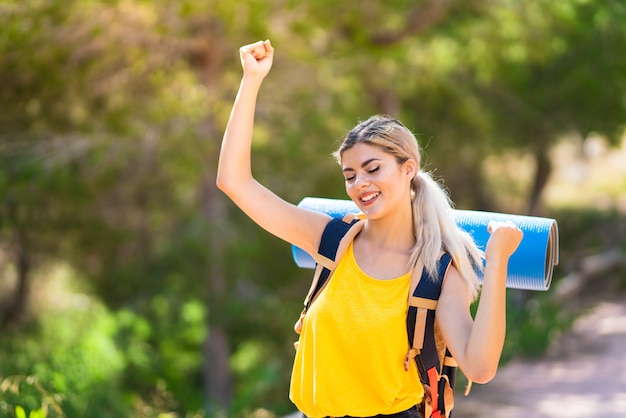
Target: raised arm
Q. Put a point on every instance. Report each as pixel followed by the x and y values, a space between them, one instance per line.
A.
pixel 477 343
pixel 234 174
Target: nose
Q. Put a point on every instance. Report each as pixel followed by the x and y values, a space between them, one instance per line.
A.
pixel 361 181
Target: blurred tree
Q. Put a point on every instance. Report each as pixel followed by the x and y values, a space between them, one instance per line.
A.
pixel 476 78
pixel 540 71
pixel 97 136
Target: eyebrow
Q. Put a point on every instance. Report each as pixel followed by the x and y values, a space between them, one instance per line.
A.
pixel 365 163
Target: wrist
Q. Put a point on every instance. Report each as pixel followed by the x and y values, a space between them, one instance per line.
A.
pixel 252 80
pixel 496 254
pixel 496 259
pixel 496 267
pixel 497 263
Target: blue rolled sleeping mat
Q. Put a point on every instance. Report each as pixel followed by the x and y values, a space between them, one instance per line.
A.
pixel 530 267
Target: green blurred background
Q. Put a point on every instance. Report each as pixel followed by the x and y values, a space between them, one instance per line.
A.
pixel 130 287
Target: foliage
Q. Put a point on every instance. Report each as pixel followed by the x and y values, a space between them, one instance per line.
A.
pixel 71 355
pixel 532 326
pixel 20 413
pixel 101 363
pixel 29 389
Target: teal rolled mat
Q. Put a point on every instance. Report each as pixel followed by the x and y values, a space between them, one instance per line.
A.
pixel 530 267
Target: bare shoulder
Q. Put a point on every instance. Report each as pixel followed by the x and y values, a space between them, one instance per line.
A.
pixel 454 291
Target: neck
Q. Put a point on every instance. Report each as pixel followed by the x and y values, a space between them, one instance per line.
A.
pixel 394 231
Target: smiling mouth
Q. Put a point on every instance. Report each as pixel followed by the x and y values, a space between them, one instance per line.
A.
pixel 369 197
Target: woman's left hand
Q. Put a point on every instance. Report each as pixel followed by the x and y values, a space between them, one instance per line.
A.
pixel 504 240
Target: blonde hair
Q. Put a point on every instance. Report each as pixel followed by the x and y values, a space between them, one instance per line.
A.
pixel 433 225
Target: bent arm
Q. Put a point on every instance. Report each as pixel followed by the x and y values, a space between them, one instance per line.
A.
pixel 234 174
pixel 477 343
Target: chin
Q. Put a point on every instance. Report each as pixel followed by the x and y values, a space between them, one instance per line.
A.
pixel 371 213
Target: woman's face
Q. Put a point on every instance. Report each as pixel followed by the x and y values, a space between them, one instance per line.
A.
pixel 374 179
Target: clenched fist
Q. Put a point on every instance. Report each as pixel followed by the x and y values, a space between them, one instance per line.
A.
pixel 504 240
pixel 256 59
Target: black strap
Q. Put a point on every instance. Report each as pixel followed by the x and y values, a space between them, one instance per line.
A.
pixel 428 288
pixel 333 233
pixel 335 230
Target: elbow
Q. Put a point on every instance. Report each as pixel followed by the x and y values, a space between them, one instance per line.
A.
pixel 224 184
pixel 229 178
pixel 231 187
pixel 483 378
pixel 482 375
pixel 233 184
pixel 221 183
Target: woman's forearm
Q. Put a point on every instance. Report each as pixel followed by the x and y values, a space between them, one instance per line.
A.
pixel 234 166
pixel 486 340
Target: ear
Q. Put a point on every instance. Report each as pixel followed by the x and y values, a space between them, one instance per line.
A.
pixel 410 168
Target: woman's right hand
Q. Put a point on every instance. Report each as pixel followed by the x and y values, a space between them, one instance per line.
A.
pixel 256 59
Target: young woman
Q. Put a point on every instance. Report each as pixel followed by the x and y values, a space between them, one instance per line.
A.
pixel 350 360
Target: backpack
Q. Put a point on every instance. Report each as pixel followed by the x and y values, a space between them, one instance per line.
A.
pixel 437 368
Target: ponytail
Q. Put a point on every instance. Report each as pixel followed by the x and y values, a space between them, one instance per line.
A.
pixel 435 230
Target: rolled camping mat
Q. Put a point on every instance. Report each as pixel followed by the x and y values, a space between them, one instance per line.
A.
pixel 530 267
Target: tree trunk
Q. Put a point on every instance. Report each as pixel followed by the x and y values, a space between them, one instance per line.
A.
pixel 542 173
pixel 543 168
pixel 217 374
pixel 218 378
pixel 207 56
pixel 16 305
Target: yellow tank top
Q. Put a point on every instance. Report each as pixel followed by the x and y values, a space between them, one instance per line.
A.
pixel 350 359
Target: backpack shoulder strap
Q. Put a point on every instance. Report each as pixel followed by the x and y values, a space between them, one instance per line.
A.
pixel 420 321
pixel 425 292
pixel 336 238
